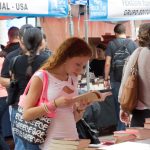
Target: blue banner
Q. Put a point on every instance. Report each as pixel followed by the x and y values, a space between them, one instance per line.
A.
pixel 98 9
pixel 34 8
pixel 58 8
pixel 119 10
pixel 79 2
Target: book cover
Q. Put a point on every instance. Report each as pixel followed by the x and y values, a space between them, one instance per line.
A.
pixel 91 96
pixel 65 141
pixel 140 132
pixel 64 144
pixel 122 133
pixel 120 139
pixel 57 146
pixel 125 135
pixel 68 144
pixel 147 120
pixel 147 125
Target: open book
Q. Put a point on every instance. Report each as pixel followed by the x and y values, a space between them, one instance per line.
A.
pixel 89 97
pixel 84 100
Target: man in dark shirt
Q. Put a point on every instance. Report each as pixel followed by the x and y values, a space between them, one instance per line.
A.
pixel 110 77
pixel 13 43
pixel 5 77
pixel 12 52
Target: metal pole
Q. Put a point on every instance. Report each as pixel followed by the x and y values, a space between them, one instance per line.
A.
pixel 26 20
pixel 86 39
pixel 133 29
pixel 71 28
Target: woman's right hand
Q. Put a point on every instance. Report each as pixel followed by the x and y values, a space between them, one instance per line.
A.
pixel 63 102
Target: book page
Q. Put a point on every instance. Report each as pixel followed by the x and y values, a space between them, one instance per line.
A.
pixel 89 97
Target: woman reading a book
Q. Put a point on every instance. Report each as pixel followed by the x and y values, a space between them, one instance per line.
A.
pixel 63 67
pixel 142 109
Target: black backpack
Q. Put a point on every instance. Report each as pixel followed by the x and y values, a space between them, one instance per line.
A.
pixel 119 59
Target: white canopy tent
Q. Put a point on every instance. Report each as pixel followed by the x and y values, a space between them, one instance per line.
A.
pixel 119 10
pixel 99 10
pixel 38 8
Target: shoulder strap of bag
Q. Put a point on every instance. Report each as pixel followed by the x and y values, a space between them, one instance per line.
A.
pixel 135 64
pixel 43 96
pixel 13 64
pixel 12 67
pixel 126 42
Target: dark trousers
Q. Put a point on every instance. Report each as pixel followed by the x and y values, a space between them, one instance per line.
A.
pixel 3 108
pixel 115 90
pixel 138 117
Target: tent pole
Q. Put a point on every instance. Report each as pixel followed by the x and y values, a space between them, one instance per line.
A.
pixel 26 20
pixel 71 28
pixel 133 29
pixel 86 39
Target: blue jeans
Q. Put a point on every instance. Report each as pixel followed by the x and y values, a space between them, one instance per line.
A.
pixel 21 144
pixel 115 91
pixel 3 108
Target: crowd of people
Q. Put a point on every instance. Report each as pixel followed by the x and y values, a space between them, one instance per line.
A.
pixel 63 68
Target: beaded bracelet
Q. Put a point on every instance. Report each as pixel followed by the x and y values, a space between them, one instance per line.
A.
pixel 45 107
pixel 51 106
pixel 55 103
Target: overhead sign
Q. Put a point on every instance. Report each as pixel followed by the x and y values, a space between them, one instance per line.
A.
pixel 79 2
pixel 54 8
pixel 119 10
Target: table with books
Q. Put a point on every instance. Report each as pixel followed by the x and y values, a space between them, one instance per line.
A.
pixel 95 84
pixel 137 137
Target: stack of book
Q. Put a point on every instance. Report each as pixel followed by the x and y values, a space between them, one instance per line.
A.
pixel 132 134
pixel 124 135
pixel 147 123
pixel 68 144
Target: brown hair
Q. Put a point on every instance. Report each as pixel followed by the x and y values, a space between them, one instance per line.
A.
pixel 13 32
pixel 144 35
pixel 120 29
pixel 72 47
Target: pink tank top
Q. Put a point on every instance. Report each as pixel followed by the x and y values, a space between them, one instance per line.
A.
pixel 63 125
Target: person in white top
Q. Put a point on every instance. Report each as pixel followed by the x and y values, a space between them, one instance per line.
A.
pixel 63 67
pixel 142 109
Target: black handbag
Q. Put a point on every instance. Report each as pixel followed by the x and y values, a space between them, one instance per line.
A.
pixel 13 89
pixel 33 131
pixel 86 132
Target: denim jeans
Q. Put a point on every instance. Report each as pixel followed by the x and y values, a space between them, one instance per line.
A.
pixel 115 91
pixel 21 144
pixel 3 108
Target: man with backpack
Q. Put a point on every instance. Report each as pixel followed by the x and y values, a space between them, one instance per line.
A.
pixel 117 52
